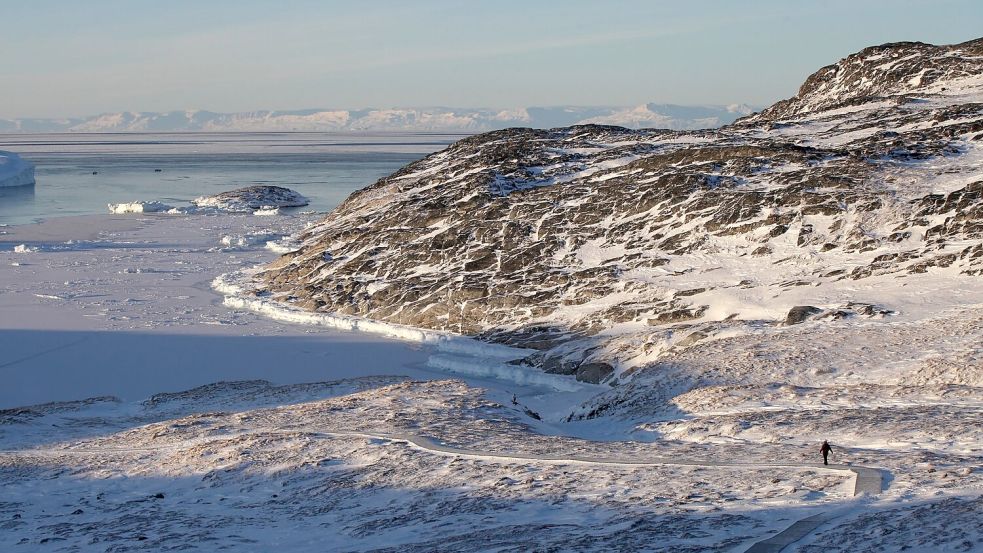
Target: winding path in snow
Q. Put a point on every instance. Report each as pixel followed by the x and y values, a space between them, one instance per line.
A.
pixel 866 480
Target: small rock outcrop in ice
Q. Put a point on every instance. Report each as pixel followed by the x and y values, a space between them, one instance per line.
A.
pixel 14 170
pixel 259 200
pixel 253 198
pixel 139 207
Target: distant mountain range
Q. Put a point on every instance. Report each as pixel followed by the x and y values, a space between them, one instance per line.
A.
pixel 666 116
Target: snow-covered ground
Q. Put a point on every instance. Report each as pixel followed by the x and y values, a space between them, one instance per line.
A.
pixel 15 171
pixel 142 410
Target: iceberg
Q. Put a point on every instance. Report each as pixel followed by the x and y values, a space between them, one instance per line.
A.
pixel 15 171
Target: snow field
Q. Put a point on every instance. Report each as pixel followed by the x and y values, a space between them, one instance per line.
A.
pixel 251 478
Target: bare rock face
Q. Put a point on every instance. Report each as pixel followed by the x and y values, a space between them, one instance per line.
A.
pixel 603 245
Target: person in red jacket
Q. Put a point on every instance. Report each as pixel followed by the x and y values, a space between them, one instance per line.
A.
pixel 825 449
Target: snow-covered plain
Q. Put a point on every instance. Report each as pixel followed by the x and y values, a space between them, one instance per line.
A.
pixel 142 410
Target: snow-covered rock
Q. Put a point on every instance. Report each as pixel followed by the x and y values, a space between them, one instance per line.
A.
pixel 14 170
pixel 253 199
pixel 606 248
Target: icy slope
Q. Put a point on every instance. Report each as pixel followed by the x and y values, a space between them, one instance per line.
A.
pixel 605 248
pixel 15 171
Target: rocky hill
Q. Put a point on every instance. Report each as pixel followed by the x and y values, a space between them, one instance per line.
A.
pixel 611 252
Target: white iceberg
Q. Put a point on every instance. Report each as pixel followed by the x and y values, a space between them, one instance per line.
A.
pixel 15 171
pixel 139 207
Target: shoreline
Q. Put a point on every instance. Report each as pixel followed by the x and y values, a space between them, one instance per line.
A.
pixel 130 299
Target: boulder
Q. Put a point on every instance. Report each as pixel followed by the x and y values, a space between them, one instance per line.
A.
pixel 801 313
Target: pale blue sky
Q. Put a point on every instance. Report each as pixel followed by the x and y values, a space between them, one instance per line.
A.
pixel 64 58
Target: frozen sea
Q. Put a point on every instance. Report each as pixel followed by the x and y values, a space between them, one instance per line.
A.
pixel 79 174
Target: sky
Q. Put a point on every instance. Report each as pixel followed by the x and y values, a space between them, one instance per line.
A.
pixel 71 58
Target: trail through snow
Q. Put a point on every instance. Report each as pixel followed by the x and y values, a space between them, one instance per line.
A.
pixel 866 480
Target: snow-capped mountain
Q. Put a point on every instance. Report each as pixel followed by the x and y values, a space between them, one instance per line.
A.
pixel 610 250
pixel 398 119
